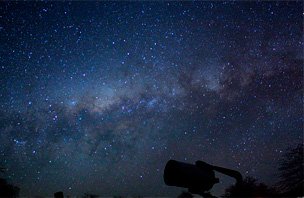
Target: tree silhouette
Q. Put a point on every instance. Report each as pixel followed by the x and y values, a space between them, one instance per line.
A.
pixel 7 189
pixel 291 172
pixel 249 188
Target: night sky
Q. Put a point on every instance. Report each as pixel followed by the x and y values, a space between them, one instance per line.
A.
pixel 96 97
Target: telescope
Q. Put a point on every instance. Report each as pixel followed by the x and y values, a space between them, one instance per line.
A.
pixel 198 177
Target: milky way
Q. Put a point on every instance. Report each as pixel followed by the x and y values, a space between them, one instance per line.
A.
pixel 96 97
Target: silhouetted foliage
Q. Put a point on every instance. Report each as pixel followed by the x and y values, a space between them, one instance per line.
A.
pixel 7 189
pixel 291 171
pixel 249 188
pixel 185 194
pixel 88 195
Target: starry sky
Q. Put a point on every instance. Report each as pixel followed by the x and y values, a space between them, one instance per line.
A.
pixel 96 97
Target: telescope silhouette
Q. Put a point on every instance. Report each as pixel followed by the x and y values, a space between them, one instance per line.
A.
pixel 198 177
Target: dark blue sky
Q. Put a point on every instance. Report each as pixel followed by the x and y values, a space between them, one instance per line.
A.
pixel 96 97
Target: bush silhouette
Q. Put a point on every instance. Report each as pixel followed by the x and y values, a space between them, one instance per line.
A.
pixel 291 172
pixel 249 188
pixel 7 189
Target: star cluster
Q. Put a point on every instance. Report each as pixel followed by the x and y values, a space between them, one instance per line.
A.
pixel 96 97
